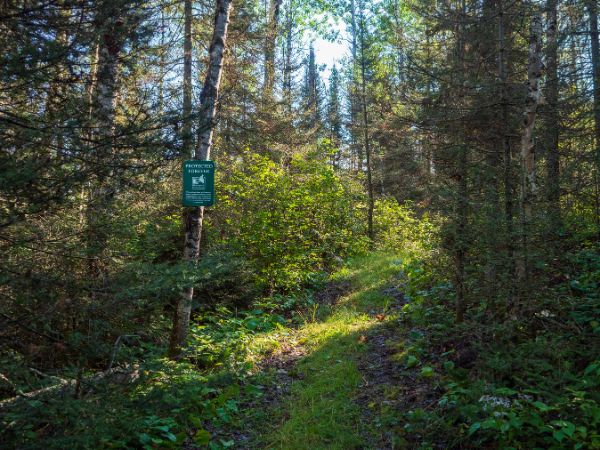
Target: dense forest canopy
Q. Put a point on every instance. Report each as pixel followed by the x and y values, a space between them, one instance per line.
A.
pixel 451 154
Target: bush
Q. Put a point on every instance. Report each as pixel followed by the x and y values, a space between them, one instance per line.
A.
pixel 397 229
pixel 290 223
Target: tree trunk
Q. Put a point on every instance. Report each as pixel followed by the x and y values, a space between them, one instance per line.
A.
pixel 287 70
pixel 552 120
pixel 506 146
pixel 187 81
pixel 354 101
pixel 365 114
pixel 112 33
pixel 270 45
pixel 53 141
pixel 312 90
pixel 528 181
pixel 195 216
pixel 592 8
pixel 462 204
pixel 491 172
pixel 461 242
pixel 90 84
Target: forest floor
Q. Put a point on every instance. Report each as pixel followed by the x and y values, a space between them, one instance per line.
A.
pixel 334 382
pixel 372 359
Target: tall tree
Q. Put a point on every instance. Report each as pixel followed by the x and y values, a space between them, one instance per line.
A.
pixel 194 217
pixel 187 137
pixel 504 40
pixel 528 176
pixel 354 91
pixel 112 21
pixel 288 70
pixel 312 93
pixel 365 121
pixel 462 176
pixel 270 45
pixel 334 115
pixel 592 8
pixel 552 118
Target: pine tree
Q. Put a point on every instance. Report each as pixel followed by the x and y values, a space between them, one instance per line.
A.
pixel 334 115
pixel 312 91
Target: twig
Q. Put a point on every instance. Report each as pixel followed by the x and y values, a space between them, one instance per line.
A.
pixel 116 348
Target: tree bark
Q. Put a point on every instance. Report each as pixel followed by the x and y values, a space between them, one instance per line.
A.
pixel 270 45
pixel 187 137
pixel 111 27
pixel 592 8
pixel 365 114
pixel 462 204
pixel 195 216
pixel 552 119
pixel 491 172
pixel 354 101
pixel 528 179
pixel 287 70
pixel 503 57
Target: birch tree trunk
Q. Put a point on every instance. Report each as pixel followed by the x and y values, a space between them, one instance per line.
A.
pixel 195 216
pixel 528 181
pixel 104 94
pixel 187 137
pixel 270 45
pixel 552 119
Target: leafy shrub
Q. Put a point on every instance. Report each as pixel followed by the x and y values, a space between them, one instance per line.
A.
pixel 292 222
pixel 220 340
pixel 398 229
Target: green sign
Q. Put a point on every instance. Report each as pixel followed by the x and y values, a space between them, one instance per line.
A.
pixel 198 183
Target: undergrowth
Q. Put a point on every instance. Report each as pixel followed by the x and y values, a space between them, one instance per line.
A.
pixel 531 383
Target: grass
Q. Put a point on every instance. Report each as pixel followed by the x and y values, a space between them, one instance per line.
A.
pixel 321 411
pixel 235 402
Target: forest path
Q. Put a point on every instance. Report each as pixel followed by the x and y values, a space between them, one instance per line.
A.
pixel 325 381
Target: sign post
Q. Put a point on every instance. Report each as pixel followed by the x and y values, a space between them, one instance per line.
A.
pixel 198 183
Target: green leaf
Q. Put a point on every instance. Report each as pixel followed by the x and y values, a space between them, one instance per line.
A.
pixel 505 391
pixel 473 428
pixel 542 407
pixel 202 437
pixel 558 435
pixel 427 372
pixel 569 430
pixel 489 424
pixel 411 361
pixel 591 368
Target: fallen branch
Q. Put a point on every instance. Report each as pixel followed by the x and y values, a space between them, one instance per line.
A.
pixel 118 375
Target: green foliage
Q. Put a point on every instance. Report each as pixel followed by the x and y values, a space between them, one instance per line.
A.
pixel 518 420
pixel 398 229
pixel 532 383
pixel 157 411
pixel 222 339
pixel 290 223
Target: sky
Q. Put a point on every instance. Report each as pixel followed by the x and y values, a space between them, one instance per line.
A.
pixel 329 53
